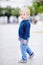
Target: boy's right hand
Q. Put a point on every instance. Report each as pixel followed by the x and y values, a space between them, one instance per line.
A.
pixel 19 38
pixel 24 41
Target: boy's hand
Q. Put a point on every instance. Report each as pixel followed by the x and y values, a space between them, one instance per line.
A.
pixel 19 38
pixel 24 41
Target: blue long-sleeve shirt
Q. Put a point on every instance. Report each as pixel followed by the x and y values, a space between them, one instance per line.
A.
pixel 24 29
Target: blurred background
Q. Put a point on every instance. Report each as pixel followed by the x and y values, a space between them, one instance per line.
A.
pixel 9 10
pixel 9 24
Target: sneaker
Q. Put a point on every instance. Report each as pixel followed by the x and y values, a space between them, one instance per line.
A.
pixel 22 61
pixel 31 56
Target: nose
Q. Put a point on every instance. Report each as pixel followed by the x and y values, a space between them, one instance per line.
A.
pixel 21 16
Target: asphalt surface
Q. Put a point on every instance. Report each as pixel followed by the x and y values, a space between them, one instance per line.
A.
pixel 10 46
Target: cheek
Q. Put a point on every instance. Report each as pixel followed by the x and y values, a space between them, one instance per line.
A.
pixel 25 16
pixel 22 16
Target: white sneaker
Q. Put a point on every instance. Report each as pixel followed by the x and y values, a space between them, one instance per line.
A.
pixel 23 61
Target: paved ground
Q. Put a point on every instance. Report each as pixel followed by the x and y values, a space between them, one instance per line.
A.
pixel 9 45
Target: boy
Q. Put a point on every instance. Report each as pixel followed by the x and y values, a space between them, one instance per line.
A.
pixel 24 34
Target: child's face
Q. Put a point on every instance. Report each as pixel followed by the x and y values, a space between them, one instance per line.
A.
pixel 23 15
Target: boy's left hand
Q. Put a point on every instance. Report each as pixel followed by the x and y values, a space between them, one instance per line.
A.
pixel 24 41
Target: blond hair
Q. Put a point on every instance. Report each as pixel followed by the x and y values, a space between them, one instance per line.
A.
pixel 25 10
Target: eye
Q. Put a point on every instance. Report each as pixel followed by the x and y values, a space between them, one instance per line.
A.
pixel 21 14
pixel 24 14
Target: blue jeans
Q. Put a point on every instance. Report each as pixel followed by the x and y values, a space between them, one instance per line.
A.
pixel 25 48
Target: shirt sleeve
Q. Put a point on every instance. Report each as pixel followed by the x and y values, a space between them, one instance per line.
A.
pixel 27 31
